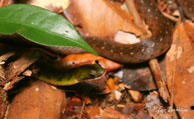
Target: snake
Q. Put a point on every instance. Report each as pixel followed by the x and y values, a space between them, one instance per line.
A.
pixel 148 48
pixel 187 7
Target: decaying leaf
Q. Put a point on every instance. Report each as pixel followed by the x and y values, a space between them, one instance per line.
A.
pixel 38 100
pixel 180 73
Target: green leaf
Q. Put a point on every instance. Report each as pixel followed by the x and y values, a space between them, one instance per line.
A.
pixel 41 26
pixel 72 76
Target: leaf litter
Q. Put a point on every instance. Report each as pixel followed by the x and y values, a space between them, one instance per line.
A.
pixel 85 100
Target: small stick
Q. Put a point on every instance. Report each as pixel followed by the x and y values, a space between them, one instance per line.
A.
pixel 81 112
pixel 159 79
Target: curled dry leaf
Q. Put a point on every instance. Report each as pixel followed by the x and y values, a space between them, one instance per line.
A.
pixel 180 73
pixel 100 18
pixel 76 60
pixel 38 100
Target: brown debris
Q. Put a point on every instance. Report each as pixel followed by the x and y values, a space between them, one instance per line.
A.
pixel 122 98
pixel 156 108
pixel 17 67
pixel 109 113
pixel 74 110
pixel 3 58
pixel 133 110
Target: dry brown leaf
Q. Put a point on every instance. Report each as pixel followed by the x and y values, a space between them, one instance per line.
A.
pixel 100 18
pixel 179 60
pixel 76 60
pixel 38 100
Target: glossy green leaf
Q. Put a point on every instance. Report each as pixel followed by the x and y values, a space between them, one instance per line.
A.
pixel 40 25
pixel 72 76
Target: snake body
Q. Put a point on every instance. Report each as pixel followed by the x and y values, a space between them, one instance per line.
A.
pixel 147 48
pixel 188 7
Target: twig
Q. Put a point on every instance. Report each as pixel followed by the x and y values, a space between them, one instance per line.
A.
pixel 159 79
pixel 81 112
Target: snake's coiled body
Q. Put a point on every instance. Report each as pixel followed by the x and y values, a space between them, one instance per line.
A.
pixel 158 43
